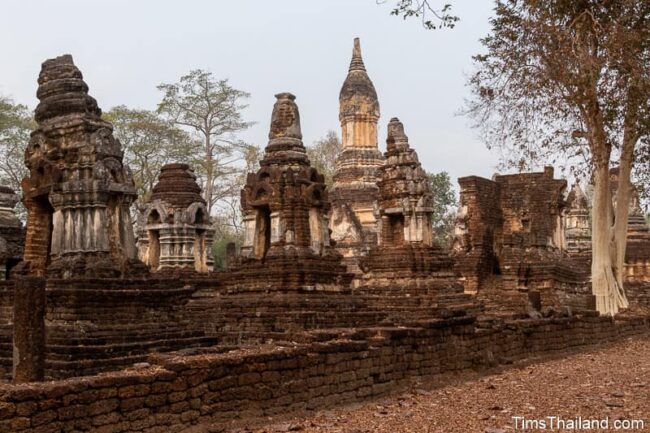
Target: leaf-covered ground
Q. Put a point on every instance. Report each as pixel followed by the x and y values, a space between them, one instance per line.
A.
pixel 611 382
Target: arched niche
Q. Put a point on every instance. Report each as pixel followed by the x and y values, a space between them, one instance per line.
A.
pixel 153 219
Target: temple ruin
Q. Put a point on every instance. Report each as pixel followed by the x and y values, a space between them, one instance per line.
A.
pixel 510 241
pixel 285 207
pixel 77 193
pixel 355 192
pixel 405 254
pixel 109 343
pixel 175 230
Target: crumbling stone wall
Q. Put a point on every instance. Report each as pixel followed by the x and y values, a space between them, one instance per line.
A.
pixel 221 385
pixel 510 237
pixel 478 229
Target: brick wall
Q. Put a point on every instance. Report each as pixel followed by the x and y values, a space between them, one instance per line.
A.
pixel 176 391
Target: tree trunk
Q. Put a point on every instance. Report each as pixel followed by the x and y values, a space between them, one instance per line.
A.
pixel 622 211
pixel 609 294
pixel 209 175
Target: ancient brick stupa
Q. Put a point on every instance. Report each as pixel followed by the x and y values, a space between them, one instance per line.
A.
pixel 77 192
pixel 175 232
pixel 285 206
pixel 11 232
pixel 406 254
pixel 355 191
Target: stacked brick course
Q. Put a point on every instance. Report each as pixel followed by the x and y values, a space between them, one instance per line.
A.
pixel 225 385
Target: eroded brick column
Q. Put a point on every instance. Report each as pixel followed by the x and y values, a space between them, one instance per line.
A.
pixel 29 330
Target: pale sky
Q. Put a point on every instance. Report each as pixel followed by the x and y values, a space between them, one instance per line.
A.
pixel 126 48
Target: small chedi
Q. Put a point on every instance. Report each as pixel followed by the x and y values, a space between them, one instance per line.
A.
pixel 577 225
pixel 175 231
pixel 77 192
pixel 510 240
pixel 11 232
pixel 285 206
pixel 405 250
pixel 355 192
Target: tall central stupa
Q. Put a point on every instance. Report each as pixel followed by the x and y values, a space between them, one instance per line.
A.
pixel 355 192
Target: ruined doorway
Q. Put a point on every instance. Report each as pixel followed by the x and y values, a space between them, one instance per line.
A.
pixel 154 240
pixel 396 229
pixel 262 232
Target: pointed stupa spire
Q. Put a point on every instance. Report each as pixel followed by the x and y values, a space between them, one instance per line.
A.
pixel 358 104
pixel 356 64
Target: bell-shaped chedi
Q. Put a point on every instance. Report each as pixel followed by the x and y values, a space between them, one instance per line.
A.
pixel 406 257
pixel 175 231
pixel 285 206
pixel 355 192
pixel 77 192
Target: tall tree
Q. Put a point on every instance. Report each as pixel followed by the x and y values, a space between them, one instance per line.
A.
pixel 149 142
pixel 444 207
pixel 323 153
pixel 569 80
pixel 211 109
pixel 16 123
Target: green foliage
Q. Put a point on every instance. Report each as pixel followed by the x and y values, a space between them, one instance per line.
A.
pixel 444 207
pixel 16 124
pixel 323 153
pixel 432 18
pixel 149 141
pixel 224 235
pixel 211 110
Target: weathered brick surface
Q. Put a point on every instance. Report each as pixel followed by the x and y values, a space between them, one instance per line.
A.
pixel 510 241
pixel 77 190
pixel 355 192
pixel 285 206
pixel 178 390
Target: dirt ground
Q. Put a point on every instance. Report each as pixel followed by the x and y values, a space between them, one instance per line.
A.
pixel 609 387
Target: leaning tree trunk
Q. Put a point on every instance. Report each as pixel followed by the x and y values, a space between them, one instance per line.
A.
pixel 605 287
